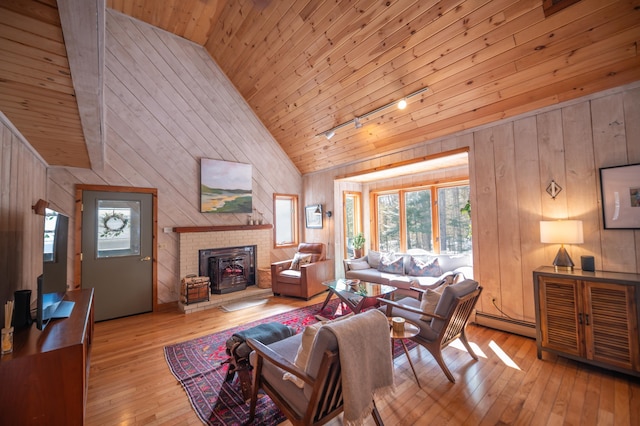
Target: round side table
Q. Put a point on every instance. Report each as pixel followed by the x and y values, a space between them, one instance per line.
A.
pixel 411 329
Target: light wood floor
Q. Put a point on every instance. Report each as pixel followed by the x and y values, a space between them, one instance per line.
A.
pixel 130 383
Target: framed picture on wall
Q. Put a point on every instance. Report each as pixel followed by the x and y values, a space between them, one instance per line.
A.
pixel 620 188
pixel 225 187
pixel 313 216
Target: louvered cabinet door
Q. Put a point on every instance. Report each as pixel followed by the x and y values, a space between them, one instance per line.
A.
pixel 610 322
pixel 559 312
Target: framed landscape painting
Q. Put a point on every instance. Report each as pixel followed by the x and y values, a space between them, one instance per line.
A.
pixel 621 196
pixel 225 187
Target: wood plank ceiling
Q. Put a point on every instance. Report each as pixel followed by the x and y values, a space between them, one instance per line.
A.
pixel 36 88
pixel 306 66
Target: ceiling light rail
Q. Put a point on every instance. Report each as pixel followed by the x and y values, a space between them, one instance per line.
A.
pixel 357 120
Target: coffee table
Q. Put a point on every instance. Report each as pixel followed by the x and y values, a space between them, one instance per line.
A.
pixel 357 294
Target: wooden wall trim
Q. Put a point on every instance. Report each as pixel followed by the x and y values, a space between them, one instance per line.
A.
pixel 221 228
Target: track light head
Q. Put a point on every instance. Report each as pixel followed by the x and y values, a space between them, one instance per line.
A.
pixel 329 134
pixel 357 122
pixel 402 104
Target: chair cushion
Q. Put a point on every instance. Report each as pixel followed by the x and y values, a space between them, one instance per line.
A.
pixel 289 276
pixel 317 251
pixel 287 348
pixel 325 341
pixel 449 295
pixel 300 259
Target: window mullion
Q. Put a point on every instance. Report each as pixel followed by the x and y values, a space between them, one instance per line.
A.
pixel 403 221
pixel 435 219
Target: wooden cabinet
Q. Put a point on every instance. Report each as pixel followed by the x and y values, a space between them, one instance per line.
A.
pixel 589 316
pixel 44 380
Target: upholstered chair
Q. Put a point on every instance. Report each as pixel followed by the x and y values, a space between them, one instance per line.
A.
pixel 442 322
pixel 303 275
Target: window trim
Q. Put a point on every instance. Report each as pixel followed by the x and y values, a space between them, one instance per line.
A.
pixel 434 186
pixel 358 225
pixel 294 220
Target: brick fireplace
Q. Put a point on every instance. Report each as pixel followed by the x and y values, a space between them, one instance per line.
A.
pixel 192 240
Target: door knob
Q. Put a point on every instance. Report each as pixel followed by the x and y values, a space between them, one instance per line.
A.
pixel 145 259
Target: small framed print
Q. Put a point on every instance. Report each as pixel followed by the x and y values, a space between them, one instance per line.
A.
pixel 313 216
pixel 620 188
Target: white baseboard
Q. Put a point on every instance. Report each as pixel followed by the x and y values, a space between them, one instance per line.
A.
pixel 523 328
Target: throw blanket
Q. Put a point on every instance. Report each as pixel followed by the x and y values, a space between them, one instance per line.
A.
pixel 365 357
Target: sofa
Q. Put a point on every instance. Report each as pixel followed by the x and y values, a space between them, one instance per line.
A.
pixel 303 275
pixel 416 268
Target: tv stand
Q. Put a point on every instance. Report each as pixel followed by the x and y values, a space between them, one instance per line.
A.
pixel 44 380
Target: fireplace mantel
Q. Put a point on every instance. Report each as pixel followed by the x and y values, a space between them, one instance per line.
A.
pixel 219 228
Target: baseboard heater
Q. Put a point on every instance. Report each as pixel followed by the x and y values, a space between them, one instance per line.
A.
pixel 523 328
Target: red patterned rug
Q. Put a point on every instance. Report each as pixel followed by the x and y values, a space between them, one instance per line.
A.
pixel 197 364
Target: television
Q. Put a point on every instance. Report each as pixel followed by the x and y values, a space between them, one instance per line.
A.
pixel 52 284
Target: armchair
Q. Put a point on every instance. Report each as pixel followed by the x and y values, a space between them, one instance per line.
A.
pixel 307 281
pixel 337 378
pixel 446 324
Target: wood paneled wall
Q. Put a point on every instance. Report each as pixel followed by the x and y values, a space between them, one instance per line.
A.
pixel 167 106
pixel 23 181
pixel 510 165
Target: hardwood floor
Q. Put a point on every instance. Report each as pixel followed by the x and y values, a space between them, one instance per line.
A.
pixel 131 384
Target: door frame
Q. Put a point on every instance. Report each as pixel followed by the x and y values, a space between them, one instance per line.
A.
pixel 77 270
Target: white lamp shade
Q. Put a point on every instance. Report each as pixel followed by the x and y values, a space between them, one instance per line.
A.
pixel 561 232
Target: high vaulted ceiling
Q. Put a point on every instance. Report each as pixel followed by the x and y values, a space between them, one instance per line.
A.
pixel 306 66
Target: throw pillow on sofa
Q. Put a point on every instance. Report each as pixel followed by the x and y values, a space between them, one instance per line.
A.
pixel 391 266
pixel 373 258
pixel 358 265
pixel 418 268
pixel 300 259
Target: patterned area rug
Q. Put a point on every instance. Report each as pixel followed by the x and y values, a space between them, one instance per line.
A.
pixel 197 364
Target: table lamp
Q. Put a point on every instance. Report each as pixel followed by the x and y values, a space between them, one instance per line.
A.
pixel 561 232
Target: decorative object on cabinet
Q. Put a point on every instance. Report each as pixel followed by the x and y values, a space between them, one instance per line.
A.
pixel 225 187
pixel 620 188
pixel 561 232
pixel 313 216
pixel 589 316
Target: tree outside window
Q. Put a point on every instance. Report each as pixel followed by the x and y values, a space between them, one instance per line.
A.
pixel 405 219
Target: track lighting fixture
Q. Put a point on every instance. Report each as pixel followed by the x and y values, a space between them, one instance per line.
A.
pixel 402 104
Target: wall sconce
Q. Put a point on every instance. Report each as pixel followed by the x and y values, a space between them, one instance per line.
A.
pixel 318 211
pixel 40 206
pixel 402 104
pixel 562 232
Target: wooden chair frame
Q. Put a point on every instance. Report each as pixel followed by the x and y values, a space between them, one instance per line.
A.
pixel 326 398
pixel 454 327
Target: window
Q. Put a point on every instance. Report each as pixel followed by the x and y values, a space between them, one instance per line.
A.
pixel 285 226
pixel 433 218
pixel 352 202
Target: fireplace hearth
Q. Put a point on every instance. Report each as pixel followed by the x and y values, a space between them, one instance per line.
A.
pixel 229 268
